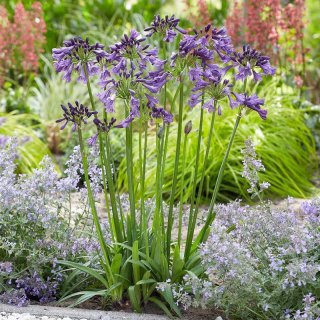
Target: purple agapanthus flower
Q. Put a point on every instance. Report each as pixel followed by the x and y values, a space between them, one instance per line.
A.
pixel 202 45
pixel 191 48
pixel 130 72
pixel 217 39
pixel 130 54
pixel 221 41
pixel 166 27
pixel 76 54
pixel 132 87
pixel 126 122
pixel 77 115
pixel 248 61
pixel 128 87
pixel 210 87
pixel 252 102
pixel 161 113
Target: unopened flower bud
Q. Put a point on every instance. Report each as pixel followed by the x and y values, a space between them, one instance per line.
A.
pixel 188 127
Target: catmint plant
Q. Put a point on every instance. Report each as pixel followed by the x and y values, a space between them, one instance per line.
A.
pixel 251 167
pixel 260 262
pixel 40 224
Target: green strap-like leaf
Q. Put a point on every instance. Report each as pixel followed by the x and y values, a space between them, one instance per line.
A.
pixel 87 270
pixel 133 299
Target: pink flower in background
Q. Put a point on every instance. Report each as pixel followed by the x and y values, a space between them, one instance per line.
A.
pixel 256 23
pixel 202 17
pixel 270 27
pixel 298 80
pixel 235 23
pixel 21 39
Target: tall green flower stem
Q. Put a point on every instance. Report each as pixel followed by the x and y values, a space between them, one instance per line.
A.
pixel 93 207
pixel 197 160
pixel 203 233
pixel 158 224
pixel 220 176
pixel 193 217
pixel 131 228
pixel 182 187
pixel 142 168
pixel 176 167
pixel 104 162
pixel 166 138
pixel 115 178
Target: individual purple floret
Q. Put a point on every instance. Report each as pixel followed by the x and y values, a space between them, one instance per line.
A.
pixel 209 84
pixel 76 54
pixel 166 27
pixel 77 115
pixel 252 102
pixel 221 41
pixel 248 60
pixel 160 113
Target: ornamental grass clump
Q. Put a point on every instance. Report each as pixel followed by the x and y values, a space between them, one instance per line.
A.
pixel 135 80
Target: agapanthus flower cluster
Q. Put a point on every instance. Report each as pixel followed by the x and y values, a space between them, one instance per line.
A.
pixel 202 47
pixel 76 115
pixel 77 54
pixel 131 72
pixel 261 259
pixel 192 48
pixel 36 224
pixel 247 63
pixel 165 27
pixel 210 84
pixel 252 102
pixel 251 167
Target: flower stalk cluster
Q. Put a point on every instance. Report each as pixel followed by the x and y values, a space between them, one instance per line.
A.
pixel 133 80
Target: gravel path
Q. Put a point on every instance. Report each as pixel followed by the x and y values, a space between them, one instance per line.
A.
pixel 28 316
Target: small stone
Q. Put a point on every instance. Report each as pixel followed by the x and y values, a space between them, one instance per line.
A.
pixel 219 318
